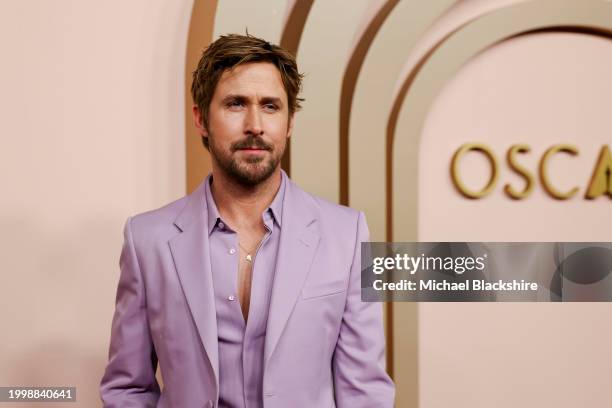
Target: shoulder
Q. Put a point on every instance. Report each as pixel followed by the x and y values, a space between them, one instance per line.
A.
pixel 162 215
pixel 340 229
pixel 157 223
pixel 331 216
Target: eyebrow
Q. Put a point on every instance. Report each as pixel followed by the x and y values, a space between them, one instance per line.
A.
pixel 242 98
pixel 271 99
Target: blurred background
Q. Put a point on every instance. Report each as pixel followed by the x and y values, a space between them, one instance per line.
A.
pixel 96 127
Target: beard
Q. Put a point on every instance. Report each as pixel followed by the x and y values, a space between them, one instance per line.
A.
pixel 249 171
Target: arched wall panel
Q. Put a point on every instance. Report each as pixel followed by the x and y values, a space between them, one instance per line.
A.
pixel 439 68
pixel 539 89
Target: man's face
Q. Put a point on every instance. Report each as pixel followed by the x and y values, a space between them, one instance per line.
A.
pixel 248 122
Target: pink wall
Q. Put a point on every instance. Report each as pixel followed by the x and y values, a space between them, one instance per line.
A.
pixel 92 131
pixel 541 90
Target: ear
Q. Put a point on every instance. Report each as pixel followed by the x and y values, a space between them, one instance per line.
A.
pixel 290 126
pixel 198 122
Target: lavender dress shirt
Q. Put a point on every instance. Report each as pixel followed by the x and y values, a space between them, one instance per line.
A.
pixel 241 346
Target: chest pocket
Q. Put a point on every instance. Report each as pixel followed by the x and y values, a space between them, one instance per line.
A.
pixel 322 289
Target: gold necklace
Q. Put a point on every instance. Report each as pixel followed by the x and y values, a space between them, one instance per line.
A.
pixel 248 256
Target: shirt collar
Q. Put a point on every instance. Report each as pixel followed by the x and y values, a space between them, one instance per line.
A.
pixel 213 211
pixel 276 206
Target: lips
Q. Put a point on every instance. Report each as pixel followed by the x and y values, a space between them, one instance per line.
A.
pixel 251 144
pixel 253 149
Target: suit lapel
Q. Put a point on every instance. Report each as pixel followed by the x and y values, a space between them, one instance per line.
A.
pixel 298 243
pixel 191 255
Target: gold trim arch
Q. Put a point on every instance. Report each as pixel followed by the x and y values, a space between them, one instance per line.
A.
pixel 442 61
pixel 201 27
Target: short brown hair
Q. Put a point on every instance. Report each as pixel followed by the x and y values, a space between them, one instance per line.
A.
pixel 231 50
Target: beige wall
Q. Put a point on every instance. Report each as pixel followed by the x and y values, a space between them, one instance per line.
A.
pixel 92 131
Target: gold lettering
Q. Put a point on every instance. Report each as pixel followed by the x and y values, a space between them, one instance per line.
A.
pixel 521 171
pixel 552 191
pixel 600 180
pixel 455 174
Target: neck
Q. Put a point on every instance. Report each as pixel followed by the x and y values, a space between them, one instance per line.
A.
pixel 242 205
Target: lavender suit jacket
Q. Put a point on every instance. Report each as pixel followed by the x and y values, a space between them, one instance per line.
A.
pixel 323 346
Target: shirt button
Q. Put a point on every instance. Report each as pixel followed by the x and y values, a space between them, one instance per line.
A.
pixel 221 225
pixel 231 298
pixel 232 251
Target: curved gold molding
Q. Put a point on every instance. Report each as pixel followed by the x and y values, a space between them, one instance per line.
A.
pixel 201 27
pixel 452 21
pixel 293 27
pixel 349 81
pixel 294 23
pixel 445 57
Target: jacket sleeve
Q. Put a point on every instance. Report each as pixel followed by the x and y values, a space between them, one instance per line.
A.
pixel 360 379
pixel 129 379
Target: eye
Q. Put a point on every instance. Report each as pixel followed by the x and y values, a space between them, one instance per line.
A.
pixel 270 107
pixel 234 103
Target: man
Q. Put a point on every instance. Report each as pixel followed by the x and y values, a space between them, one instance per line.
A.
pixel 247 291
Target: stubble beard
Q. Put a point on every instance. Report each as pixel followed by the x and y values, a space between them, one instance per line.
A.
pixel 250 171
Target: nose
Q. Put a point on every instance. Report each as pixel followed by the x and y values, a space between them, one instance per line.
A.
pixel 253 122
